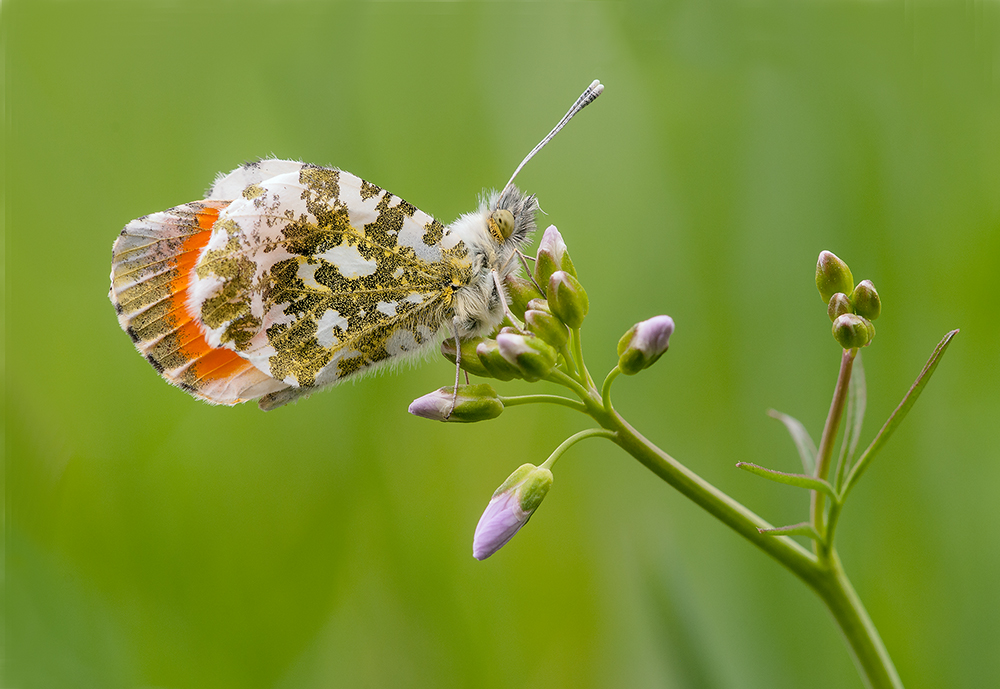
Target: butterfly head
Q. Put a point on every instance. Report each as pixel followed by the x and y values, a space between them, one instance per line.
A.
pixel 510 216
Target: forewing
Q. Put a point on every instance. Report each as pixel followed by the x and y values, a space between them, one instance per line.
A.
pixel 317 275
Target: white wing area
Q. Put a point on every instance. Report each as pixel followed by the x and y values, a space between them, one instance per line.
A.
pixel 262 241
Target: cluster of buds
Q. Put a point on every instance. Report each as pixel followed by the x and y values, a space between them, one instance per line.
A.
pixel 547 308
pixel 852 309
pixel 550 303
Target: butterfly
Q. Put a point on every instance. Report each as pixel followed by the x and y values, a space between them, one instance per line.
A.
pixel 289 278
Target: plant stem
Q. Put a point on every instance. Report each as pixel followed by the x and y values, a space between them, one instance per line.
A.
pixel 827 442
pixel 822 573
pixel 542 399
pixel 869 653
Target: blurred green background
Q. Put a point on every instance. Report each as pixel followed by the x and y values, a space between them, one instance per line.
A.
pixel 153 541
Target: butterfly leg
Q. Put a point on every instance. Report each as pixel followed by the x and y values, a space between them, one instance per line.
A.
pixel 458 365
pixel 503 300
pixel 528 271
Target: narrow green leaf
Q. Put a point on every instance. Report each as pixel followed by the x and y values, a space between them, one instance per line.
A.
pixel 800 529
pixel 857 397
pixel 899 414
pixel 800 436
pixel 798 480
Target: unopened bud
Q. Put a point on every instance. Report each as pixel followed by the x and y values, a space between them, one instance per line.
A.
pixel 496 366
pixel 832 276
pixel 866 301
pixel 531 356
pixel 539 320
pixel 840 304
pixel 510 508
pixel 644 343
pixel 473 403
pixel 552 256
pixel 852 331
pixel 567 298
pixel 520 291
pixel 470 360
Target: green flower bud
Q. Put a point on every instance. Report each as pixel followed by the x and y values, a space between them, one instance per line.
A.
pixel 567 298
pixel 644 343
pixel 473 403
pixel 840 304
pixel 832 276
pixel 470 360
pixel 546 326
pixel 539 305
pixel 866 301
pixel 852 331
pixel 496 366
pixel 552 256
pixel 871 330
pixel 531 356
pixel 510 508
pixel 520 291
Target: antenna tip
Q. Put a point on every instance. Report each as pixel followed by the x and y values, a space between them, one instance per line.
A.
pixel 597 87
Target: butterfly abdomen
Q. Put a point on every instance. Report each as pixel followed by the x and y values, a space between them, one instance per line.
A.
pixel 152 269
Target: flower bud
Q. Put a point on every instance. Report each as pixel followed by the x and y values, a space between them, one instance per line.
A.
pixel 474 403
pixel 552 256
pixel 496 366
pixel 545 325
pixel 644 343
pixel 840 304
pixel 832 276
pixel 520 291
pixel 470 360
pixel 567 298
pixel 510 508
pixel 866 301
pixel 531 356
pixel 852 331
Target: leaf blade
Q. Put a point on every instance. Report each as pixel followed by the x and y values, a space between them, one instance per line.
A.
pixel 800 436
pixel 797 480
pixel 898 414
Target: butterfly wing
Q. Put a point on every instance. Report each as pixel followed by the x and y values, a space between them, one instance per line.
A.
pixel 151 268
pixel 316 275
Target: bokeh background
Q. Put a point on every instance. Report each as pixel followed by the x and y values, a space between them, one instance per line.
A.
pixel 153 541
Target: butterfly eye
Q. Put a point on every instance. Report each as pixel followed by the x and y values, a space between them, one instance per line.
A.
pixel 503 221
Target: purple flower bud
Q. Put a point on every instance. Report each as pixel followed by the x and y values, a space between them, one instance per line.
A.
pixel 489 355
pixel 510 508
pixel 545 325
pixel 531 356
pixel 552 256
pixel 474 403
pixel 644 343
pixel 567 298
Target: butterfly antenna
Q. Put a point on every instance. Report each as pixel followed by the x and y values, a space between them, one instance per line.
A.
pixel 595 89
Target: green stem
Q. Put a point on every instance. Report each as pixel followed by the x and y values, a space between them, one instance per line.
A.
pixel 568 357
pixel 543 399
pixel 827 442
pixel 578 352
pixel 869 653
pixel 606 388
pixel 573 440
pixel 557 376
pixel 822 573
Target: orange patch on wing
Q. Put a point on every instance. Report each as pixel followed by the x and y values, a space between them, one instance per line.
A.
pixel 191 250
pixel 218 364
